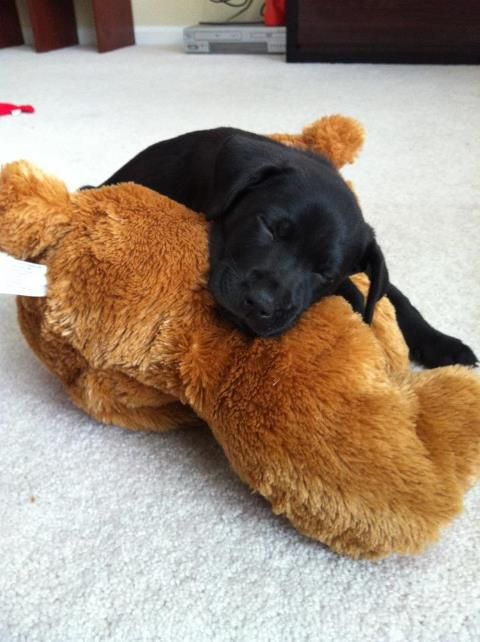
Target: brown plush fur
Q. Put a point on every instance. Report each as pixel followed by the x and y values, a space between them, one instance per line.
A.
pixel 327 422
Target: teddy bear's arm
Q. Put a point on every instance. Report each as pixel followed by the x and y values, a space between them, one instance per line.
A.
pixel 35 211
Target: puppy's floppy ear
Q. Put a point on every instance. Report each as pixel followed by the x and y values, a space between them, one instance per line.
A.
pixel 241 164
pixel 376 268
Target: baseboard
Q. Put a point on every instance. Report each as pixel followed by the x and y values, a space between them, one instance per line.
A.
pixel 160 35
pixel 144 35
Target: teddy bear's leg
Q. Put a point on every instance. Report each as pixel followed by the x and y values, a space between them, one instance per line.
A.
pixel 433 473
pixel 53 350
pixel 109 397
pixel 115 398
pixel 449 421
pixel 369 471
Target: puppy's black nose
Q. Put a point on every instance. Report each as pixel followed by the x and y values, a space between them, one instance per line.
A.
pixel 260 303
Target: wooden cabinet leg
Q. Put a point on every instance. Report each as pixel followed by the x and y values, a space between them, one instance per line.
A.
pixel 10 32
pixel 53 24
pixel 113 24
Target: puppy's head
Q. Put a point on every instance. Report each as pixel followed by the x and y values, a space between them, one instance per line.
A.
pixel 286 231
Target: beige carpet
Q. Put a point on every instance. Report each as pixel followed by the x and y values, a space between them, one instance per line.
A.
pixel 108 535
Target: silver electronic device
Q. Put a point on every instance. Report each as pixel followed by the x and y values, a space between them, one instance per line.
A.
pixel 234 38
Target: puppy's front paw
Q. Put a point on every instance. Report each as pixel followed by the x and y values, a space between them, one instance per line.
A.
pixel 437 349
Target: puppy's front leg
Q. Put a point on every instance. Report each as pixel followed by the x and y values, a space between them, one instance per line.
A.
pixel 428 346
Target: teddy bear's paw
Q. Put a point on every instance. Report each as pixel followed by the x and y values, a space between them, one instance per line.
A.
pixel 439 349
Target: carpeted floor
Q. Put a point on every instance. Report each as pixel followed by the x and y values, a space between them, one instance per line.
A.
pixel 110 535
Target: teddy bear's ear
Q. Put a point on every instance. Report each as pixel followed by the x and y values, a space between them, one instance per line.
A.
pixel 35 210
pixel 339 138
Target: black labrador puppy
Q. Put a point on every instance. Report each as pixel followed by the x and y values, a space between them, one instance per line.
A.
pixel 286 231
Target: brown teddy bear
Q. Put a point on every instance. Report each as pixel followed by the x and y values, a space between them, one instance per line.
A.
pixel 327 422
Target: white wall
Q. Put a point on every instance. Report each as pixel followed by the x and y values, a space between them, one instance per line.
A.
pixel 157 12
pixel 150 13
pixel 166 12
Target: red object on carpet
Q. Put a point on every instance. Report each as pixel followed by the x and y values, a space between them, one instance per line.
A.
pixel 274 15
pixel 7 109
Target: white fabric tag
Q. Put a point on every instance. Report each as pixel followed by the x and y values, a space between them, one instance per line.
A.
pixel 22 278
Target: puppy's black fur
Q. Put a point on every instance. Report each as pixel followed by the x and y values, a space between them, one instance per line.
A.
pixel 286 231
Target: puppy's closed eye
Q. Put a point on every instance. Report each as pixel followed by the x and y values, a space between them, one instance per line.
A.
pixel 268 229
pixel 281 229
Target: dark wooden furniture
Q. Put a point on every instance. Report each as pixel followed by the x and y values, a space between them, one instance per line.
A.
pixel 10 32
pixel 113 24
pixel 407 31
pixel 54 24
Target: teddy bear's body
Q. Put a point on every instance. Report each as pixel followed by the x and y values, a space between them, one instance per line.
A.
pixel 327 422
